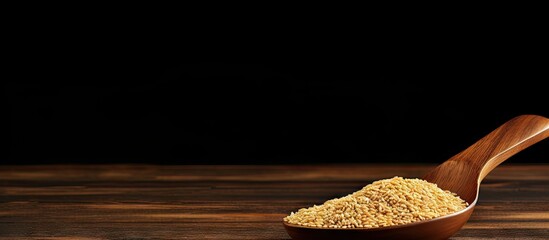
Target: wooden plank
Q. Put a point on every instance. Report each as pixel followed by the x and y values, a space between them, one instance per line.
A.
pixel 231 202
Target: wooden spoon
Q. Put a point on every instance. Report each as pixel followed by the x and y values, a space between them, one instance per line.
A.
pixel 461 174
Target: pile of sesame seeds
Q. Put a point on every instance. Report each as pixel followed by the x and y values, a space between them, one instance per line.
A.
pixel 385 202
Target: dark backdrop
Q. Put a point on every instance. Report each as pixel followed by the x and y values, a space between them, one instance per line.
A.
pixel 421 107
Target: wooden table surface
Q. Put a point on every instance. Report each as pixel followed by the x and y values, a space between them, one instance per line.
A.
pixel 232 202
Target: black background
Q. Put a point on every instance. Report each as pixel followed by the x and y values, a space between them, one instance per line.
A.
pixel 231 113
pixel 424 101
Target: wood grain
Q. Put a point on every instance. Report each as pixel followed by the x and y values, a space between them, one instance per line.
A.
pixel 232 202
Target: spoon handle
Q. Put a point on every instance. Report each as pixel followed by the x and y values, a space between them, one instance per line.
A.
pixel 464 172
pixel 505 141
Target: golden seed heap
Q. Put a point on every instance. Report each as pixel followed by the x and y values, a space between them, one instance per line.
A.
pixel 382 203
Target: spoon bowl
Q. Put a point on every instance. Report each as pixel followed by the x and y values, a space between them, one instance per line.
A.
pixel 461 174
